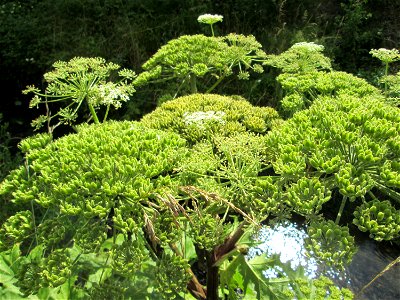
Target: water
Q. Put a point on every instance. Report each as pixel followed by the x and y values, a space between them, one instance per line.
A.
pixel 287 239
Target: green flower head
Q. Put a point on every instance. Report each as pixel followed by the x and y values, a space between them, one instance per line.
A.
pixel 209 19
pixel 386 55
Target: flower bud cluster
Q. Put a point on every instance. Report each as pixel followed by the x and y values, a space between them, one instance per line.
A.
pixel 307 195
pixel 349 142
pixel 379 218
pixel 330 243
pixel 171 275
pixel 191 57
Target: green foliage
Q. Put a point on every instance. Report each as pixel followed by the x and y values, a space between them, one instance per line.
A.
pixel 80 80
pixel 330 243
pixel 379 218
pixel 8 161
pixel 190 58
pixel 199 116
pixel 300 58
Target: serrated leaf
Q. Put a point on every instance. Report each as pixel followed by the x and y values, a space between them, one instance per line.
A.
pixel 6 273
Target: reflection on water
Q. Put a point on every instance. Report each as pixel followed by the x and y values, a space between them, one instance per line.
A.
pixel 287 239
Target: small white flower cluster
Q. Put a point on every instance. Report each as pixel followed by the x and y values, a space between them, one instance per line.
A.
pixel 201 117
pixel 310 46
pixel 386 55
pixel 109 94
pixel 209 19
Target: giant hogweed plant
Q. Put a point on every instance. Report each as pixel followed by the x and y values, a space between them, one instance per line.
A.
pixel 199 63
pixel 79 84
pixel 110 211
pixel 344 146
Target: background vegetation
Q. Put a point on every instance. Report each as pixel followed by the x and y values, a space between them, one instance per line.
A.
pixel 35 33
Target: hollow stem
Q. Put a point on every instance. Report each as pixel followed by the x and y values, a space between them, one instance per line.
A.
pixel 193 85
pixel 94 115
pixel 215 84
pixel 106 114
pixel 386 73
pixel 387 268
pixel 342 205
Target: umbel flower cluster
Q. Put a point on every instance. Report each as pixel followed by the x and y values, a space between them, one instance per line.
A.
pixel 189 58
pixel 225 116
pixel 98 185
pixel 209 19
pixel 80 82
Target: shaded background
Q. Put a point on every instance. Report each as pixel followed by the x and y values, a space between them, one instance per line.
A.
pixel 35 33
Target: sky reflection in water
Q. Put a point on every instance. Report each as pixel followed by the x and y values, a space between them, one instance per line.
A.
pixel 287 239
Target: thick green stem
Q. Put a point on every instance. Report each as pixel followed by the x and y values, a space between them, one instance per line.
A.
pixel 106 114
pixel 386 73
pixel 215 84
pixel 341 210
pixel 193 85
pixel 94 115
pixel 212 30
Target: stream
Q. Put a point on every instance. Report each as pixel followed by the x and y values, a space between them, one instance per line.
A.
pixel 287 239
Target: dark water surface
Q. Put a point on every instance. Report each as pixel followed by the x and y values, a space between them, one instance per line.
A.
pixel 371 258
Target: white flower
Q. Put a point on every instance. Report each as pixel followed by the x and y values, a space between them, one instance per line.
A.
pixel 209 19
pixel 310 46
pixel 201 117
pixel 109 94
